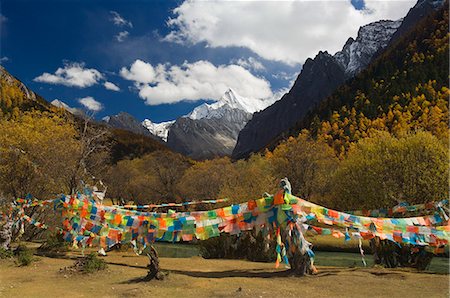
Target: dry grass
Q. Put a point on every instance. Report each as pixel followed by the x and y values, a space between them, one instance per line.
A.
pixel 197 277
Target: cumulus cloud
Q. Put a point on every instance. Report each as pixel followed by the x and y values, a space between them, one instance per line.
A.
pixel 111 86
pixel 121 36
pixel 250 63
pixel 72 75
pixel 120 21
pixel 165 83
pixel 286 31
pixel 4 59
pixel 91 104
pixel 140 72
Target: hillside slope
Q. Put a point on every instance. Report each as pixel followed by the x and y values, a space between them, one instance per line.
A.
pixel 17 98
pixel 404 89
pixel 321 76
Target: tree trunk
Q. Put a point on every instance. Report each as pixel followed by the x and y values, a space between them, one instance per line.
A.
pixel 6 234
pixel 300 264
pixel 153 266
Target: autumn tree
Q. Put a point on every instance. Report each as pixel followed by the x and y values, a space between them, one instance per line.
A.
pixel 385 170
pixel 36 152
pixel 250 179
pixel 307 163
pixel 205 179
pixel 153 178
pixel 125 182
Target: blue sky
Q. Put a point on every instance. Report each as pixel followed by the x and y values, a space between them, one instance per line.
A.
pixel 163 58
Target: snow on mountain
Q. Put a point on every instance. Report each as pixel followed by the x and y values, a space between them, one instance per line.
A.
pixel 357 54
pixel 60 104
pixel 229 101
pixel 225 107
pixel 158 129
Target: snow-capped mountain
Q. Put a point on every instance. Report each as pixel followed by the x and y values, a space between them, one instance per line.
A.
pixel 357 54
pixel 207 137
pixel 231 100
pixel 212 129
pixel 158 129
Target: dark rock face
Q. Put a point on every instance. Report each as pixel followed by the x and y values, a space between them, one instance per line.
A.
pixel 207 137
pixel 318 79
pixel 127 122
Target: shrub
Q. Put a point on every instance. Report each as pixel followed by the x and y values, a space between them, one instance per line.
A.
pixel 91 264
pixel 5 253
pixel 53 246
pixel 24 256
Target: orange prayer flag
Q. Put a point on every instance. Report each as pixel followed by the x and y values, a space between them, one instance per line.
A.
pixel 117 219
pixel 278 199
pixel 367 235
pixel 251 204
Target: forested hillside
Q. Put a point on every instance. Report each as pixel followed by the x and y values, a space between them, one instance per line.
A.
pixel 16 99
pixel 404 90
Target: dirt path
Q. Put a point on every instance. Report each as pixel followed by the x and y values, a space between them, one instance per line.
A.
pixel 197 277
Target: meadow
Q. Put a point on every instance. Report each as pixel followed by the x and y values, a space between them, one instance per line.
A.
pixel 340 275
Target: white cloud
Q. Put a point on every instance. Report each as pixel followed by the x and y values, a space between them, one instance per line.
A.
pixel 3 18
pixel 4 59
pixel 91 104
pixel 121 36
pixel 287 31
pixel 72 75
pixel 250 63
pixel 140 72
pixel 120 21
pixel 166 83
pixel 111 86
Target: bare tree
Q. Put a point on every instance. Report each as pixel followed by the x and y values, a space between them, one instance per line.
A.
pixel 93 152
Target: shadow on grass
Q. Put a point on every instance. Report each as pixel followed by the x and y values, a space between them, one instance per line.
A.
pixel 250 273
pixel 254 273
pixel 234 273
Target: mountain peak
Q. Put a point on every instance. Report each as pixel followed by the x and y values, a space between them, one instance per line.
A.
pixel 158 129
pixel 126 121
pixel 230 96
pixel 62 105
pixel 357 53
pixel 230 100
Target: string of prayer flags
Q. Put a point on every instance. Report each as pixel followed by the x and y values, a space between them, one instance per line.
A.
pixel 400 208
pixel 89 223
pixel 151 206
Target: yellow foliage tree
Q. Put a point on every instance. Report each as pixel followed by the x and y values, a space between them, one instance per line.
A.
pixel 308 164
pixel 37 151
pixel 384 170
